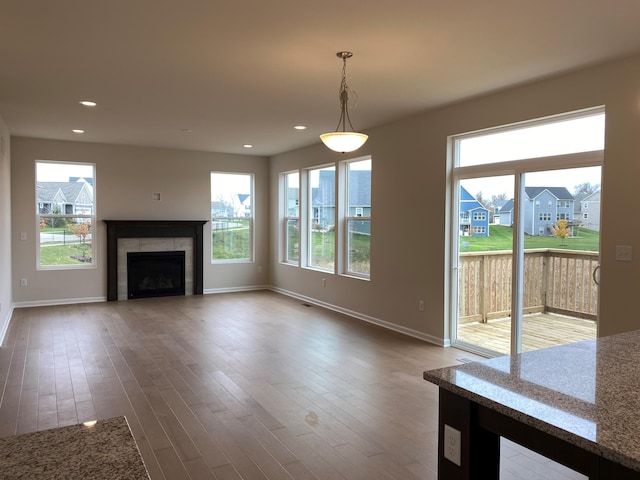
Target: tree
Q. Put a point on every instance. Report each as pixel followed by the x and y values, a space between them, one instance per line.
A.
pixel 81 230
pixel 585 188
pixel 561 229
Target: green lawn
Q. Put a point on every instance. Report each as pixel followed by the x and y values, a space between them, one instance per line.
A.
pixel 64 254
pixel 500 238
pixel 232 243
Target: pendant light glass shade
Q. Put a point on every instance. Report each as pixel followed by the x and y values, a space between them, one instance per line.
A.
pixel 342 140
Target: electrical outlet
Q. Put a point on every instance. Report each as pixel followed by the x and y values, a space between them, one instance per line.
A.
pixel 452 444
pixel 23 282
pixel 23 235
pixel 421 305
pixel 324 282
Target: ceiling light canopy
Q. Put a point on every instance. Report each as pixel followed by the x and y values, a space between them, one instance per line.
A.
pixel 342 140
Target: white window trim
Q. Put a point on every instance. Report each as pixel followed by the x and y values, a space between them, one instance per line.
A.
pixel 92 218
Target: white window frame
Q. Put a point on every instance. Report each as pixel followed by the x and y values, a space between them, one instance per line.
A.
pixel 307 236
pixel 239 216
pixel 345 217
pixel 518 168
pixel 91 217
pixel 287 217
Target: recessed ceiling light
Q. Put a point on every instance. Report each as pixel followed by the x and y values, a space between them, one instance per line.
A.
pixel 88 103
pixel 300 127
pixel 247 145
pixel 77 130
pixel 186 130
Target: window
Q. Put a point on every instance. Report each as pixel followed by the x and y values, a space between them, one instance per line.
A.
pixel 231 217
pixel 326 217
pixel 579 133
pixel 479 229
pixel 585 205
pixel 562 216
pixel 585 216
pixel 358 217
pixel 479 216
pixel 544 216
pixel 65 211
pixel 322 215
pixel 292 217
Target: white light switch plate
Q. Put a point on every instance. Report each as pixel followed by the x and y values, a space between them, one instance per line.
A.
pixel 623 253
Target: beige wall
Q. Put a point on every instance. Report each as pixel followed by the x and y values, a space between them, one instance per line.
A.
pixel 409 201
pixel 6 291
pixel 126 177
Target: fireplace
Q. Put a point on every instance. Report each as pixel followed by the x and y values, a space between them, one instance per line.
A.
pixel 155 274
pixel 153 236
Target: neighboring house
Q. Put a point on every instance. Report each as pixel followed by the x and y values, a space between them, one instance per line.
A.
pixel 323 198
pixel 474 217
pixel 586 212
pixel 506 213
pixel 293 202
pixel 544 206
pixel 497 209
pixel 220 209
pixel 65 198
pixel 245 209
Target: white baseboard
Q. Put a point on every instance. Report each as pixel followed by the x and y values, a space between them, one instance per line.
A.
pixel 5 322
pixel 60 301
pixel 210 291
pixel 360 316
pixel 366 318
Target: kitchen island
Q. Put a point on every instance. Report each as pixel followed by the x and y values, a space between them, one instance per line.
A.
pixel 101 450
pixel 577 404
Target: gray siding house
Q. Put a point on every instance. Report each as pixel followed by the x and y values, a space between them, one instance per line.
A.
pixel 66 198
pixel 544 206
pixel 587 211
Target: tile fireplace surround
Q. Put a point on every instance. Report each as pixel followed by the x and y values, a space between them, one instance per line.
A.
pixel 153 235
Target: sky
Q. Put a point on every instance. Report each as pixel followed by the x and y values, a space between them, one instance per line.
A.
pixel 60 172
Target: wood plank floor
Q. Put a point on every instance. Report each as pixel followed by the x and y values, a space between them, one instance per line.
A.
pixel 248 385
pixel 539 330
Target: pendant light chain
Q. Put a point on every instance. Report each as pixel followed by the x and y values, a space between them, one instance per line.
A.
pixel 344 96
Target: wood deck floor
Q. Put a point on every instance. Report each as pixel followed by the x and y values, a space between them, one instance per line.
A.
pixel 540 330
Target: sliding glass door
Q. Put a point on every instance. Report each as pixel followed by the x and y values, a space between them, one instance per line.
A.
pixel 525 233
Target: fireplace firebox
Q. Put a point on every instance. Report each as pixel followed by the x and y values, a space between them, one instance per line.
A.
pixel 155 274
pixel 143 229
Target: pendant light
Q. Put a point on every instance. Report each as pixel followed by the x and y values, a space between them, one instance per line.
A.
pixel 342 140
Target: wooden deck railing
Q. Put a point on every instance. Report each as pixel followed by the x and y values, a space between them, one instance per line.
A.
pixel 559 281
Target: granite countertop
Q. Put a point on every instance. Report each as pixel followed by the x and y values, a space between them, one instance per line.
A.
pixel 105 450
pixel 587 393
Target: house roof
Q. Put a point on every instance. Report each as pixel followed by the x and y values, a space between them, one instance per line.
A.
pixel 61 192
pixel 561 193
pixel 212 76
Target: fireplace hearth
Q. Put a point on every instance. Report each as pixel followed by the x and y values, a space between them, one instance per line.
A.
pixel 155 274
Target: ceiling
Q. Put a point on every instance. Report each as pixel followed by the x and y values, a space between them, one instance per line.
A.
pixel 214 75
